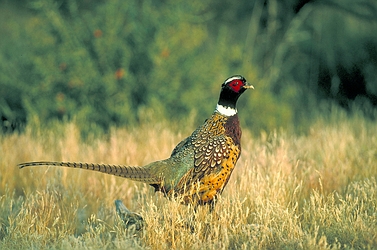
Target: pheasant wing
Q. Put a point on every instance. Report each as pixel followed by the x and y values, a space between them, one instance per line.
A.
pixel 180 146
pixel 214 162
pixel 211 153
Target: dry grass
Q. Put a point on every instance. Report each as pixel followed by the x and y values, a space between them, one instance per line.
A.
pixel 314 191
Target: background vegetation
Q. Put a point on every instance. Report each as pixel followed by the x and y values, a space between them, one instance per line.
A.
pixel 106 63
pixel 136 77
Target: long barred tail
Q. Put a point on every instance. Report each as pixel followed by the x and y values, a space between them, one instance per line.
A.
pixel 134 173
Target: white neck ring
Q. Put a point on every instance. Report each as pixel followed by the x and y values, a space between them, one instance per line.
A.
pixel 227 111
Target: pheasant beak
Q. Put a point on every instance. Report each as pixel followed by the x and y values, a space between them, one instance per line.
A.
pixel 248 86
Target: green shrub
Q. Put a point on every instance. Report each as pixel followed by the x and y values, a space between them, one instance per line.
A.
pixel 120 61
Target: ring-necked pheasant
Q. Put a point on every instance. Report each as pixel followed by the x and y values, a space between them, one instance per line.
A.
pixel 200 165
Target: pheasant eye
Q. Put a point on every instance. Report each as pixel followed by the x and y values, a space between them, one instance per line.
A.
pixel 233 83
pixel 236 85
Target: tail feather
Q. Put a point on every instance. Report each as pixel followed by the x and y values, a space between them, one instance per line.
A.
pixel 136 173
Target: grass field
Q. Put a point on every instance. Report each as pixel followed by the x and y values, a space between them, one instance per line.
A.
pixel 311 191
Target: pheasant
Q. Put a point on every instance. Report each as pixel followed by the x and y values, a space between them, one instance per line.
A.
pixel 199 166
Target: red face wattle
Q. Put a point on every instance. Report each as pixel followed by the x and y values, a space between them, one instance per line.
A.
pixel 236 85
pixel 231 89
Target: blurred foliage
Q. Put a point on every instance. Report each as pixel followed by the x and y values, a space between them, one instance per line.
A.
pixel 329 52
pixel 105 63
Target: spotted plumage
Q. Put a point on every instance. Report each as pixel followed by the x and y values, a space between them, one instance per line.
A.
pixel 199 166
pixel 215 155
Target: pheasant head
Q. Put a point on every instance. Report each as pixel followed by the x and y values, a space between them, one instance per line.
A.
pixel 231 90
